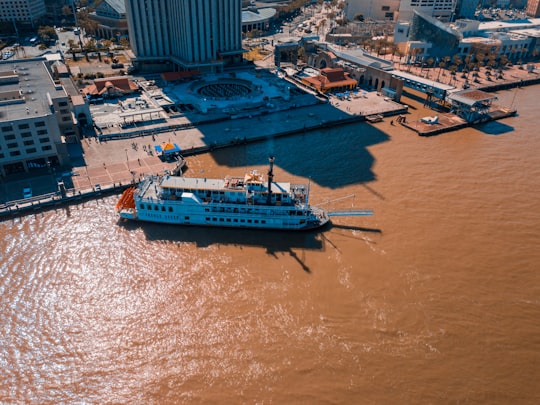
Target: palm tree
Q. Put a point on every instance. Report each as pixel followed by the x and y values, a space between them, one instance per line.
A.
pixel 457 61
pixel 430 61
pixel 441 65
pixel 452 70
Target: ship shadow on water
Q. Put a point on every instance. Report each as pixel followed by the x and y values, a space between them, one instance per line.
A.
pixel 275 242
pixel 332 158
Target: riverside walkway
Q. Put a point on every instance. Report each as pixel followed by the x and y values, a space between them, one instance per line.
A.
pixel 101 167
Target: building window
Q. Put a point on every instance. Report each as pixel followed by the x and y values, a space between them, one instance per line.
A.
pixel 9 137
pixel 46 147
pixel 26 134
pixel 7 129
pixel 44 140
pixel 42 132
pixel 12 145
pixel 31 150
pixel 63 103
pixel 385 8
pixel 28 143
pixel 66 119
pixel 15 153
pixel 39 124
pixel 24 126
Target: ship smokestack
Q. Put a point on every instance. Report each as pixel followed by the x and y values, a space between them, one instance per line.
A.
pixel 270 180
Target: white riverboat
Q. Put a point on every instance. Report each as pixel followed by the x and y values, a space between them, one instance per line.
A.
pixel 241 202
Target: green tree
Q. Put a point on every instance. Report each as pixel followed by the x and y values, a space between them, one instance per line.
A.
pixel 47 33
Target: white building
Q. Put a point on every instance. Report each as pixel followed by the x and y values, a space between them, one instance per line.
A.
pixel 441 9
pixel 26 12
pixel 35 116
pixel 377 10
pixel 185 34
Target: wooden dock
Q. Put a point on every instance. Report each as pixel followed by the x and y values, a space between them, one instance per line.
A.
pixel 448 122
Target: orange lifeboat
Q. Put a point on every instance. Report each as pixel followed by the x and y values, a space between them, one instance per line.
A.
pixel 126 199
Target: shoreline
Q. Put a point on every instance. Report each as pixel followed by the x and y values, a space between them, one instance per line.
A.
pixel 335 114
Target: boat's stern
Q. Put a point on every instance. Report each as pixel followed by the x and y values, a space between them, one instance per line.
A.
pixel 126 204
pixel 319 217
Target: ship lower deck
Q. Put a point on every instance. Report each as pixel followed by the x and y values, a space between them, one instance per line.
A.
pixel 226 215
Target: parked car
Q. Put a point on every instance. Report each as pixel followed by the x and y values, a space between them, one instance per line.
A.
pixel 27 192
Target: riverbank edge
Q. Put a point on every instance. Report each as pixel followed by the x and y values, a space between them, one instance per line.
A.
pixel 36 204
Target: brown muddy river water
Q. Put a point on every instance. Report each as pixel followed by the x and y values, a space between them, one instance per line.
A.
pixel 433 300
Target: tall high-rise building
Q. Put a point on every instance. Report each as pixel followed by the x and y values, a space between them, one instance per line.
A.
pixel 443 10
pixel 23 12
pixel 372 9
pixel 185 34
pixel 533 8
pixel 466 8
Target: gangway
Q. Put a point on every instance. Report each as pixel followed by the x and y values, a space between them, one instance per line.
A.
pixel 347 213
pixel 351 213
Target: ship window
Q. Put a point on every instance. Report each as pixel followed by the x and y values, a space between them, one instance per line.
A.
pixel 186 218
pixel 170 209
pixel 141 206
pixel 256 221
pixel 221 219
pixel 242 220
pixel 208 218
pixel 163 208
pixel 249 221
pixel 263 221
pixel 228 220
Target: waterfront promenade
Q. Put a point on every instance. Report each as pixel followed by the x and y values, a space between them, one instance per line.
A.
pixel 100 167
pixel 113 164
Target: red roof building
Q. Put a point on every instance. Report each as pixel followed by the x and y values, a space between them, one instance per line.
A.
pixel 111 87
pixel 331 79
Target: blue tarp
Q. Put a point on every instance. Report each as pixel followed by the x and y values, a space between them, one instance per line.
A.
pixel 167 148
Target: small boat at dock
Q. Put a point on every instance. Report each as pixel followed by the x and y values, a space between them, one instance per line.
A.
pixel 374 118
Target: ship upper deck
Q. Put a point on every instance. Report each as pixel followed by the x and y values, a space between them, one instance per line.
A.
pixel 228 184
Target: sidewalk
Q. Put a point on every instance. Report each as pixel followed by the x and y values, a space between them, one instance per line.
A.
pixel 123 161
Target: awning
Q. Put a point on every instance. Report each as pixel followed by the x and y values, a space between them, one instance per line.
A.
pixel 167 148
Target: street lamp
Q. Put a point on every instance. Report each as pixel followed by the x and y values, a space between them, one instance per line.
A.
pixel 127 160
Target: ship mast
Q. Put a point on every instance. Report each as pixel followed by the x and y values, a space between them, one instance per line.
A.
pixel 270 180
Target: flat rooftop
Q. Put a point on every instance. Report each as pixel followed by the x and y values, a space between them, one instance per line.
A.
pixel 29 91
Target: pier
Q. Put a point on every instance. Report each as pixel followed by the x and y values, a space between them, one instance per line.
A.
pixel 115 162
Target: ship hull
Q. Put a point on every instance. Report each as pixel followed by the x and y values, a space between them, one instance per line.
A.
pixel 227 215
pixel 247 202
